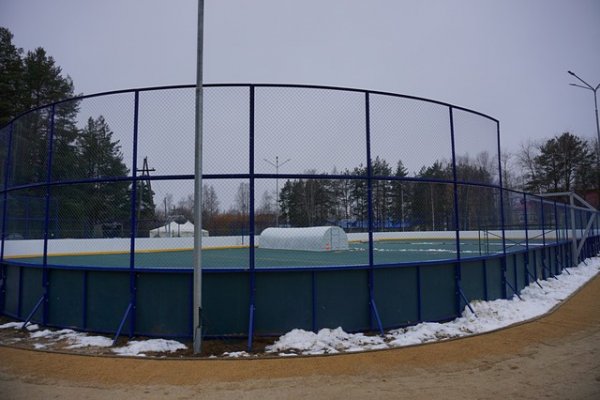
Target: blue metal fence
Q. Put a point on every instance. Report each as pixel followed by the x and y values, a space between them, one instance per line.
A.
pixel 79 162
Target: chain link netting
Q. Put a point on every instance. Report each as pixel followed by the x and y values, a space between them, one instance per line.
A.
pixel 379 166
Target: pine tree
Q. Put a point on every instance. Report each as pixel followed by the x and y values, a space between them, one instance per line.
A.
pixel 30 81
pixel 100 157
pixel 432 203
pixel 11 71
pixel 401 194
pixel 381 193
pixel 359 198
pixel 475 203
pixel 564 163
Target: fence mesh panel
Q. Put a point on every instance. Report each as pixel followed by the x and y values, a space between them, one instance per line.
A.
pixel 309 148
pixel 411 132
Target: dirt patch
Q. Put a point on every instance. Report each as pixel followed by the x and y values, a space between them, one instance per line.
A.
pixel 557 356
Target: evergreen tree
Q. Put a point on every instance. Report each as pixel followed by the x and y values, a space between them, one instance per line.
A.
pixel 27 82
pixel 11 71
pixel 564 164
pixel 307 202
pixel 42 83
pixel 432 203
pixel 146 209
pixel 359 198
pixel 475 203
pixel 341 193
pixel 30 81
pixel 100 157
pixel 401 193
pixel 381 193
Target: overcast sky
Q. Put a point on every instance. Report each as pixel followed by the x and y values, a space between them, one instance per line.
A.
pixel 508 59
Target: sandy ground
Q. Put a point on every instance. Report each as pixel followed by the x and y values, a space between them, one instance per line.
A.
pixel 554 357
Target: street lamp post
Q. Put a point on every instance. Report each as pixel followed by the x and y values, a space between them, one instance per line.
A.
pixel 277 164
pixel 593 89
pixel 197 276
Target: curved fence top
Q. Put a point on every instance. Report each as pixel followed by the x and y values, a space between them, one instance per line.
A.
pixel 121 165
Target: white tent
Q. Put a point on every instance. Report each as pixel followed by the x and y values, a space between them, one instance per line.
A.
pixel 315 238
pixel 173 229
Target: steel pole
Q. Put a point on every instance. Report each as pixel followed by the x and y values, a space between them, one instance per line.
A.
pixel 595 90
pixel 277 165
pixel 277 190
pixel 597 123
pixel 197 287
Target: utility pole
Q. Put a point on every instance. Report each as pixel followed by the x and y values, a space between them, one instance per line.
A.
pixel 197 297
pixel 277 164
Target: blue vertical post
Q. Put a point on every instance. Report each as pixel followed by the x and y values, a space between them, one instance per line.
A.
pixel 556 248
pixel 526 218
pixel 581 225
pixel 486 295
pixel 515 270
pixel 4 218
pixel 543 226
pixel 373 313
pixel 419 295
pixel 457 265
pixel 134 222
pixel 596 235
pixel 84 300
pixel 502 225
pixel 20 295
pixel 251 232
pixel 45 277
pixel 5 194
pixel 369 200
pixel 568 257
pixel 566 237
pixel 314 301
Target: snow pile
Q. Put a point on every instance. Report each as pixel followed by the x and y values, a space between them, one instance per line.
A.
pixel 75 340
pixel 326 341
pixel 489 316
pixel 141 347
pixel 47 339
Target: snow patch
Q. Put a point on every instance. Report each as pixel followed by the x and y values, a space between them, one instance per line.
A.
pixel 141 347
pixel 489 316
pixel 236 354
pixel 19 325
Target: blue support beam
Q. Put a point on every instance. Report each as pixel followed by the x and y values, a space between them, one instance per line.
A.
pixel 252 232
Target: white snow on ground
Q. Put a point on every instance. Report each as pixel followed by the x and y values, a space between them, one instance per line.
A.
pixel 141 347
pixel 236 354
pixel 19 325
pixel 77 340
pixel 74 339
pixel 490 315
